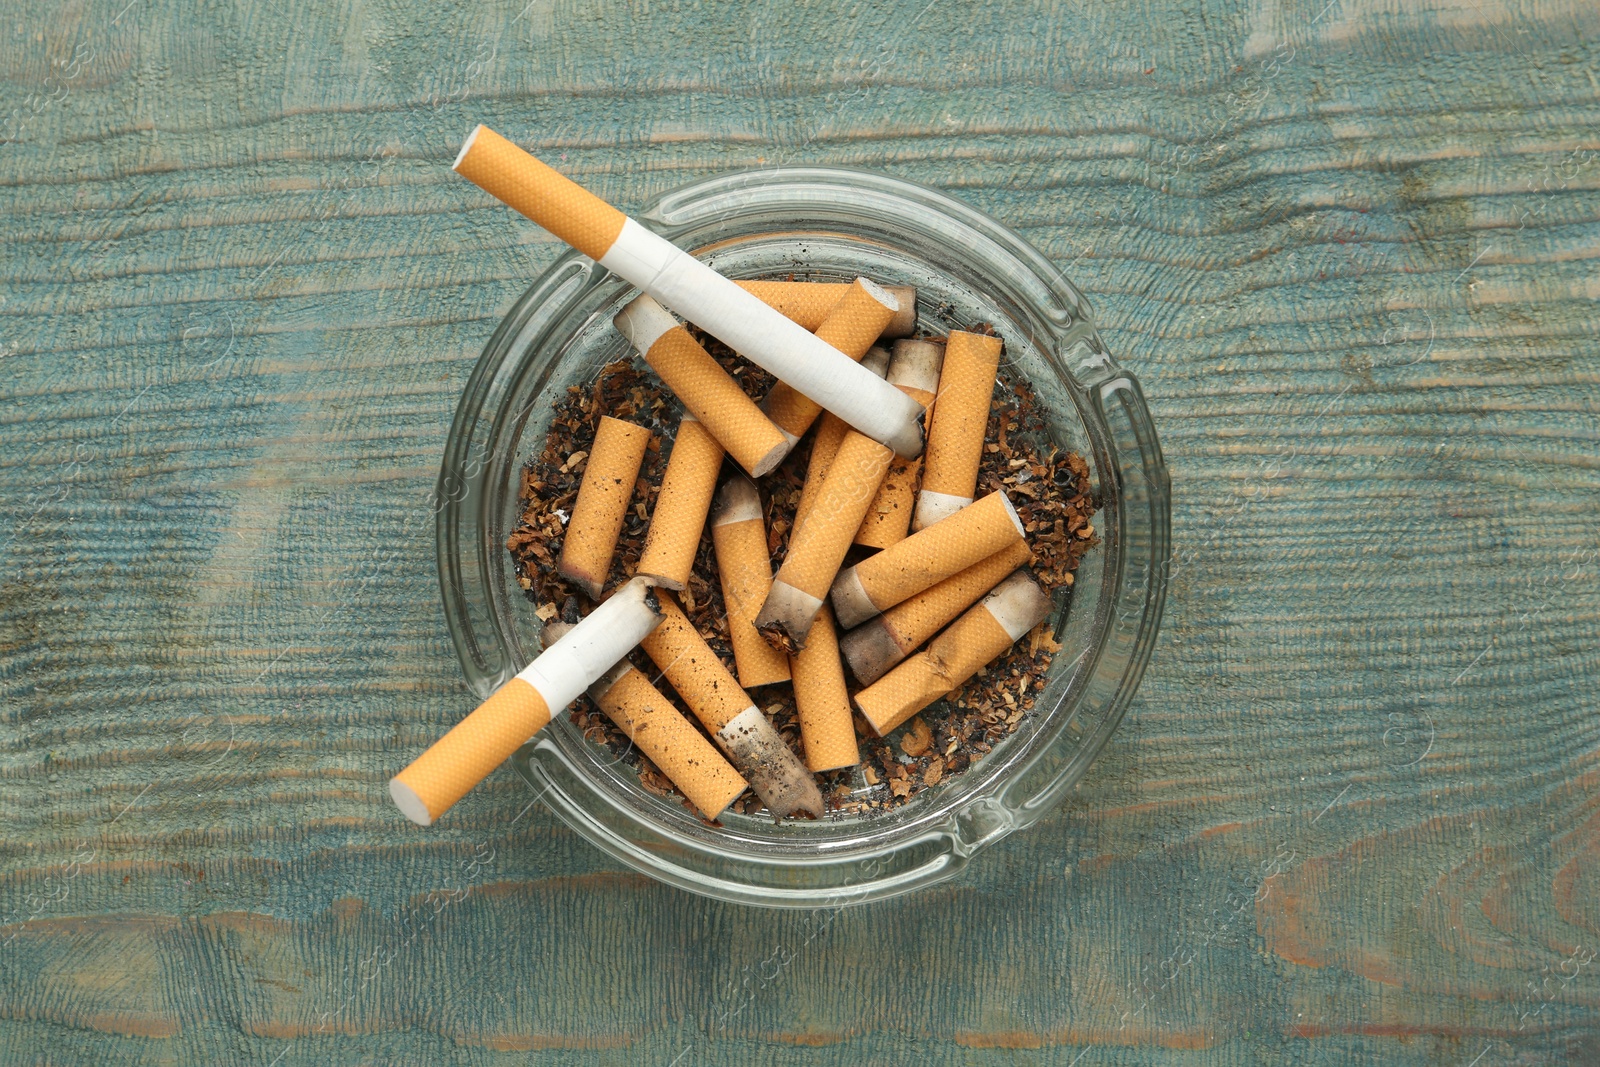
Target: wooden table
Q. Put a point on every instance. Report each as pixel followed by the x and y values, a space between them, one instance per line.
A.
pixel 1351 250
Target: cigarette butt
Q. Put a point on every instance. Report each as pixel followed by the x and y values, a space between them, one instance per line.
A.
pixel 914 370
pixel 522 707
pixel 826 724
pixel 985 631
pixel 668 739
pixel 750 741
pixel 693 668
pixel 744 566
pixel 881 642
pixel 681 506
pixel 818 546
pixel 958 424
pixel 830 435
pixel 808 303
pixel 851 327
pixel 925 559
pixel 602 503
pixel 696 292
pixel 708 392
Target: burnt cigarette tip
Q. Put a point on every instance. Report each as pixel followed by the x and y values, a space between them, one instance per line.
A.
pixel 737 501
pixel 851 604
pixel 587 584
pixel 777 635
pixel 870 650
pixel 571 612
pixel 904 322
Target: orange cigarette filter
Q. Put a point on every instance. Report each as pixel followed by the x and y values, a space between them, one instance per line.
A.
pixel 831 431
pixel 852 326
pixel 809 303
pixel 736 724
pixel 521 707
pixel 744 566
pixel 602 503
pixel 925 559
pixel 682 505
pixel 476 745
pixel 960 420
pixel 708 392
pixel 914 370
pixel 669 740
pixel 543 194
pixel 826 722
pixel 984 632
pixel 879 643
pixel 818 547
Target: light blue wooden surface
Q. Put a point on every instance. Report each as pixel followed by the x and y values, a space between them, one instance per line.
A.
pixel 1350 248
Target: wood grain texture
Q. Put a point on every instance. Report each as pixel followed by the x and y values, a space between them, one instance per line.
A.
pixel 1350 248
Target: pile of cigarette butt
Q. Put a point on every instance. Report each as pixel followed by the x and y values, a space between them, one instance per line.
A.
pixel 902 561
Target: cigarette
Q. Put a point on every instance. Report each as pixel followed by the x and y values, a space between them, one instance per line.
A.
pixel 826 724
pixel 960 420
pixel 736 724
pixel 744 566
pixel 830 435
pixel 851 327
pixel 602 503
pixel 914 370
pixel 925 559
pixel 808 303
pixel 681 506
pixel 818 546
pixel 881 642
pixel 707 391
pixel 522 707
pixel 669 740
pixel 658 267
pixel 1016 606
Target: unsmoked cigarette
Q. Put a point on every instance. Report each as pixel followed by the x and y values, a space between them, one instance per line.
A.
pixel 706 390
pixel 682 505
pixel 736 724
pixel 914 370
pixel 881 642
pixel 818 547
pixel 826 723
pixel 925 559
pixel 808 303
pixel 831 431
pixel 696 292
pixel 522 706
pixel 669 740
pixel 957 427
pixel 602 504
pixel 1016 606
pixel 744 566
pixel 851 327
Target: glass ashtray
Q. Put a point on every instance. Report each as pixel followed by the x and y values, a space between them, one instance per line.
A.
pixel 820 224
